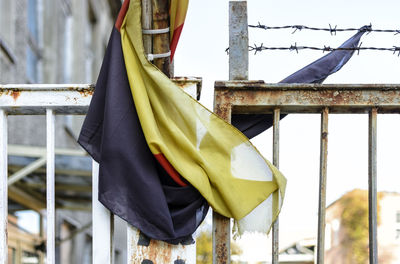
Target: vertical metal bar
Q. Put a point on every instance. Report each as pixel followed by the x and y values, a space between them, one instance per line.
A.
pixel 275 227
pixel 238 70
pixel 221 229
pixel 50 187
pixel 3 188
pixel 322 186
pixel 238 41
pixel 221 239
pixel 41 234
pixel 103 224
pixel 372 190
pixel 112 244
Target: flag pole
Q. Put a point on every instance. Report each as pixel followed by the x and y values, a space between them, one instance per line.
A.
pixel 160 16
pixel 141 249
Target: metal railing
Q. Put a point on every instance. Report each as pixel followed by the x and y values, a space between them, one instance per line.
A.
pixel 230 97
pixel 249 97
pixel 51 100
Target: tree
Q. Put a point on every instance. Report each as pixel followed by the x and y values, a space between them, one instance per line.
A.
pixel 204 248
pixel 354 219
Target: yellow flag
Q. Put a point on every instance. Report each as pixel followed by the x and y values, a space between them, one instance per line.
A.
pixel 215 157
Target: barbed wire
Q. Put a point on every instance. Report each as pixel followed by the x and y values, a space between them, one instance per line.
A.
pixel 296 48
pixel 331 30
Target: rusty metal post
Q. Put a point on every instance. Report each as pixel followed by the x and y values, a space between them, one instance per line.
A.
pixel 238 70
pixel 322 186
pixel 238 41
pixel 160 10
pixel 372 187
pixel 275 227
pixel 221 226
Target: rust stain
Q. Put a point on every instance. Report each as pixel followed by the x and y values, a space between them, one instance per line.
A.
pixel 158 252
pixel 222 253
pixel 86 92
pixel 181 84
pixel 15 94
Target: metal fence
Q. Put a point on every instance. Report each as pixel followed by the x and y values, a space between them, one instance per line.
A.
pixel 249 97
pixel 230 97
pixel 52 100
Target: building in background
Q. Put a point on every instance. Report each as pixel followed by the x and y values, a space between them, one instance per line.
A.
pixel 52 41
pixel 300 252
pixel 346 232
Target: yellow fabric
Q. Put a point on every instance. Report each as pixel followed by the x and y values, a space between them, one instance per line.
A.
pixel 171 121
pixel 177 12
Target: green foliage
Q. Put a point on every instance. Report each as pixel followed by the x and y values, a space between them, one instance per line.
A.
pixel 204 248
pixel 354 219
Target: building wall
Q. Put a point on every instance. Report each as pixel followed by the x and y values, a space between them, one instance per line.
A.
pixel 68 46
pixel 388 231
pixel 56 41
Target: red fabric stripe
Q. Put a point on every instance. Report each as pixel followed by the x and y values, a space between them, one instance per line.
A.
pixel 175 39
pixel 169 169
pixel 122 14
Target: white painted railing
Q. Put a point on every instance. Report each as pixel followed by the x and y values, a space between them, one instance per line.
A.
pixel 51 100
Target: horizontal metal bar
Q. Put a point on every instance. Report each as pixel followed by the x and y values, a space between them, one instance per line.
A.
pixel 47 87
pixel 20 196
pixel 34 99
pixel 60 187
pixel 261 85
pixel 33 151
pixel 258 97
pixel 69 172
pixel 26 170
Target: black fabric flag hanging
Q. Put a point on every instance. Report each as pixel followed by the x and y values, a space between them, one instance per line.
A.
pixel 132 184
pixel 253 124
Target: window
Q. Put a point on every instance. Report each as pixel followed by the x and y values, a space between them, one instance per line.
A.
pixel 32 49
pixel 32 61
pixel 33 20
pixel 398 234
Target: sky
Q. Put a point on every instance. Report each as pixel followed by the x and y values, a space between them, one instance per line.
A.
pixel 201 53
